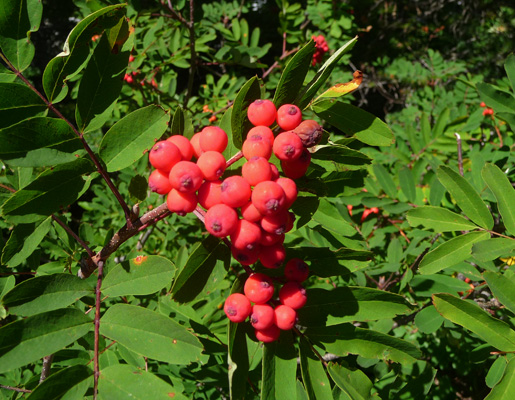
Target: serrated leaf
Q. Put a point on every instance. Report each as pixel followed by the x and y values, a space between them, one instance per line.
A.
pixel 18 19
pixel 18 102
pixel 150 334
pixel 502 288
pixel 49 192
pixel 293 76
pixel 45 293
pixel 127 140
pixel 504 193
pixel 493 248
pixel 355 122
pixel 121 382
pixel 345 304
pixel 505 389
pixel 353 382
pixel 439 219
pixel 70 383
pixel 466 197
pixel 309 91
pixel 345 338
pixel 139 276
pixel 27 340
pixel 315 379
pixel 495 98
pixel 240 124
pixel 493 331
pixel 76 51
pixel 451 252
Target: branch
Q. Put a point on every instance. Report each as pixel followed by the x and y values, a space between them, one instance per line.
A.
pixel 47 363
pixel 15 389
pixel 96 366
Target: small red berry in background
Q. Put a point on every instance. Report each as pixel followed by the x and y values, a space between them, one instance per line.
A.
pixel 321 47
pixel 259 288
pixel 296 270
pixel 488 111
pixel 262 112
pixel 289 117
pixel 293 295
pixel 368 211
pixel 268 335
pixel 482 104
pixel 237 307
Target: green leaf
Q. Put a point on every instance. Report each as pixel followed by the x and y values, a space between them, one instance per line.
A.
pixel 238 360
pixel 345 304
pixel 24 239
pixel 385 180
pixel 327 215
pixel 27 340
pixel 451 252
pixel 18 19
pixel 76 51
pixel 309 91
pixel 356 122
pixel 150 334
pixel 18 102
pixel 140 276
pixel 181 124
pixel 504 193
pixel 505 389
pixel 293 76
pixel 493 331
pixel 495 98
pixel 49 192
pixel 70 383
pixel 121 382
pixel 351 159
pixel 495 372
pixel 428 320
pixel 127 140
pixel 315 379
pixel 240 124
pixel 493 248
pixel 102 81
pixel 138 188
pixel 466 197
pixel 407 183
pixel 201 263
pixel 439 219
pixel 441 123
pixel 35 133
pixel 279 369
pixel 45 293
pixel 353 382
pixel 345 338
pixel 509 67
pixel 502 288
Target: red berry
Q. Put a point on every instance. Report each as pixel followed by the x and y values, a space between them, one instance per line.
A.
pixel 297 168
pixel 482 104
pixel 184 146
pixel 256 170
pixel 296 270
pixel 186 176
pixel 289 117
pixel 268 239
pixel 259 288
pixel 293 295
pixel 250 212
pixel 275 223
pixel 272 256
pixel 237 307
pixel 262 112
pixel 195 145
pixel 181 203
pixel 244 256
pixel 164 155
pixel 213 138
pixel 262 316
pixel 264 131
pixel 256 146
pixel 221 220
pixel 158 182
pixel 210 193
pixel 290 190
pixel 275 172
pixel 285 317
pixel 268 335
pixel 287 146
pixel 212 164
pixel 268 197
pixel 236 191
pixel 246 235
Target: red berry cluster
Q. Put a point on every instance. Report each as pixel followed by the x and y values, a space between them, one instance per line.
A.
pixel 487 110
pixel 257 303
pixel 320 49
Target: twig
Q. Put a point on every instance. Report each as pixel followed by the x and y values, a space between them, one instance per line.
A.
pixel 15 389
pixel 324 363
pixel 460 153
pixel 233 159
pixel 144 237
pixel 47 363
pixel 90 252
pixel 96 367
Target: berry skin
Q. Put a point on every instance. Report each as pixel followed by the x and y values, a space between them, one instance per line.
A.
pixel 285 317
pixel 256 170
pixel 246 235
pixel 213 138
pixel 210 193
pixel 289 117
pixel 195 145
pixel 272 256
pixel 237 307
pixel 258 288
pixel 296 270
pixel 250 213
pixel 276 223
pixel 290 190
pixel 293 295
pixel 186 176
pixel 268 197
pixel 158 182
pixel 184 146
pixel 268 335
pixel 268 239
pixel 164 155
pixel 262 316
pixel 275 172
pixel 256 146
pixel 264 131
pixel 482 104
pixel 309 132
pixel 244 256
pixel 181 203
pixel 262 112
pixel 297 168
pixel 221 220
pixel 212 164
pixel 236 191
pixel 287 146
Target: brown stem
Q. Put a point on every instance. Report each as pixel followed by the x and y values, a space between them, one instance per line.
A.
pixel 7 188
pixel 90 252
pixel 15 389
pixel 96 367
pixel 460 153
pixel 233 159
pixel 47 363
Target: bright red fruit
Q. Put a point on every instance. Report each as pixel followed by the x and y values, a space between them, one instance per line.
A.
pixel 285 317
pixel 184 146
pixel 296 270
pixel 236 191
pixel 289 117
pixel 158 182
pixel 237 307
pixel 293 295
pixel 262 112
pixel 259 288
pixel 268 335
pixel 287 146
pixel 268 197
pixel 186 177
pixel 181 203
pixel 212 164
pixel 164 155
pixel 213 138
pixel 221 220
pixel 262 316
pixel 272 256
